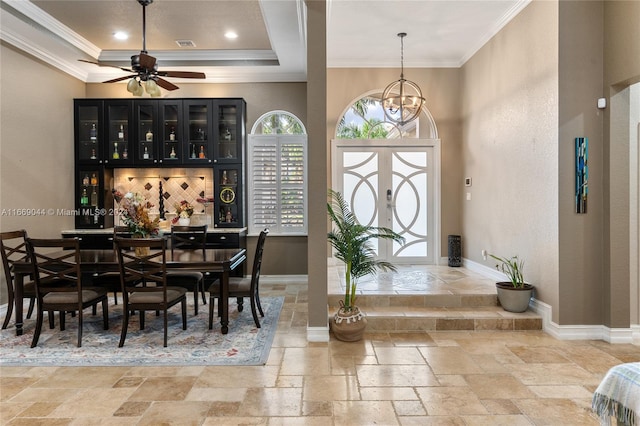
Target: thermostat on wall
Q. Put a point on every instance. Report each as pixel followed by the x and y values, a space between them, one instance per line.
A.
pixel 602 103
pixel 467 181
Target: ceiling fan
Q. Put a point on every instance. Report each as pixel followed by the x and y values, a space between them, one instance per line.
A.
pixel 145 68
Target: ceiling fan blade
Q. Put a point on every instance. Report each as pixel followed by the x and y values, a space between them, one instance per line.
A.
pixel 147 62
pixel 166 85
pixel 115 80
pixel 182 74
pixel 105 65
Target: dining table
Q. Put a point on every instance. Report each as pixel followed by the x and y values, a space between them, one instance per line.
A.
pixel 96 261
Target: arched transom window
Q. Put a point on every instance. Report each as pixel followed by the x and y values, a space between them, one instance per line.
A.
pixel 365 119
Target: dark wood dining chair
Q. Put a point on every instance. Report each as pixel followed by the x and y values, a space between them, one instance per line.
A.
pixel 13 248
pixel 241 287
pixel 189 238
pixel 111 280
pixel 144 282
pixel 58 283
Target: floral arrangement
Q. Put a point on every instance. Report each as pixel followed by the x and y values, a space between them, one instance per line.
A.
pixel 134 212
pixel 184 210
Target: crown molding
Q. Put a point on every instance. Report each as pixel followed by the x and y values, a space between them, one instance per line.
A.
pixel 13 30
pixel 47 23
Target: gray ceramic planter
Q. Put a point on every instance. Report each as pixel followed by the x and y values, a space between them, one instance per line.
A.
pixel 514 299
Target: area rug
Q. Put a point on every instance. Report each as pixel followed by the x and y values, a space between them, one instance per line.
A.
pixel 245 344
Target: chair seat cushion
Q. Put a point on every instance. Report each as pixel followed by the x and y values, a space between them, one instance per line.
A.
pixel 72 296
pixel 173 293
pixel 236 285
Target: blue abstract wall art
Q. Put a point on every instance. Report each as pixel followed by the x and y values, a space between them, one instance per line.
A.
pixel 582 174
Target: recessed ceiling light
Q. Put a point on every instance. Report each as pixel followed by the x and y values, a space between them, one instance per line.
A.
pixel 120 35
pixel 231 35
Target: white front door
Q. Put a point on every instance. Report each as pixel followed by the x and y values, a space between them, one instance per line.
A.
pixel 392 185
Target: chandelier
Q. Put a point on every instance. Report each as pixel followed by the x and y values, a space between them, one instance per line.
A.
pixel 402 100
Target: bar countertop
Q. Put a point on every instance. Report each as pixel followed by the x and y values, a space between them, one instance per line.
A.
pixel 109 231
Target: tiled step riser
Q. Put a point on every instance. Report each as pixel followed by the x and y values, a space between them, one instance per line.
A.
pixel 438 312
pixel 389 325
pixel 426 301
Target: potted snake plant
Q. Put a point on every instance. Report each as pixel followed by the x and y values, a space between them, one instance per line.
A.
pixel 352 244
pixel 513 295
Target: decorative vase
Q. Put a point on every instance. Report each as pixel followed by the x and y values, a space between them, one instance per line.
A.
pixel 514 299
pixel 349 325
pixel 142 251
pixel 184 221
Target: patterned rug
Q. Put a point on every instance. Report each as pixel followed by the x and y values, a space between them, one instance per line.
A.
pixel 245 344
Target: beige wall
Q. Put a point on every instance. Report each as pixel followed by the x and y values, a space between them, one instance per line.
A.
pixel 317 100
pixel 622 43
pixel 510 146
pixel 36 145
pixel 581 235
pixel 621 68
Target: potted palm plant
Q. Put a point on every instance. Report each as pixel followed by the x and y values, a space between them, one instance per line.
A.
pixel 352 244
pixel 514 295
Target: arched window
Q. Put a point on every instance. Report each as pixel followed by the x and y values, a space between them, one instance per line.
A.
pixel 278 123
pixel 365 119
pixel 277 175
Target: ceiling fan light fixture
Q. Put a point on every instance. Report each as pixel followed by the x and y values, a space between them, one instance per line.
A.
pixel 132 85
pixel 152 88
pixel 402 100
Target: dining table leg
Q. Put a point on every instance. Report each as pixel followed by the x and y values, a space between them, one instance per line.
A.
pixel 224 301
pixel 18 300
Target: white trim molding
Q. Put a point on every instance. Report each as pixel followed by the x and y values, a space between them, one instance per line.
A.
pixel 318 334
pixel 580 332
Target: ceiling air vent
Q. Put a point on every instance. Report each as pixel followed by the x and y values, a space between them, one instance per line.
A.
pixel 185 43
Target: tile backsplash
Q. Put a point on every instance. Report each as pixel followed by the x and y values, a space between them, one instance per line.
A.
pixel 177 185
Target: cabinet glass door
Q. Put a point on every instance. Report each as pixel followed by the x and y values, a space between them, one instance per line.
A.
pixel 228 196
pixel 171 133
pixel 88 198
pixel 88 132
pixel 145 149
pixel 227 148
pixel 198 132
pixel 118 150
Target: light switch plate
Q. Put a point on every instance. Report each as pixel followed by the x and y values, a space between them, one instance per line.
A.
pixel 602 103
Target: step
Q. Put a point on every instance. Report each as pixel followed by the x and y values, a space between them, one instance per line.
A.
pixel 430 300
pixel 394 319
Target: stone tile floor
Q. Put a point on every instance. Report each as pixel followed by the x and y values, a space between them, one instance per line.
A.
pixel 419 378
pixel 416 279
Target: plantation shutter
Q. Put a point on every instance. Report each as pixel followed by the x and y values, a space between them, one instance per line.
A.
pixel 277 188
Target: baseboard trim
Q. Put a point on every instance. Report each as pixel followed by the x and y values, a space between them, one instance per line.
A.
pixel 580 332
pixel 484 270
pixel 318 334
pixel 278 279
